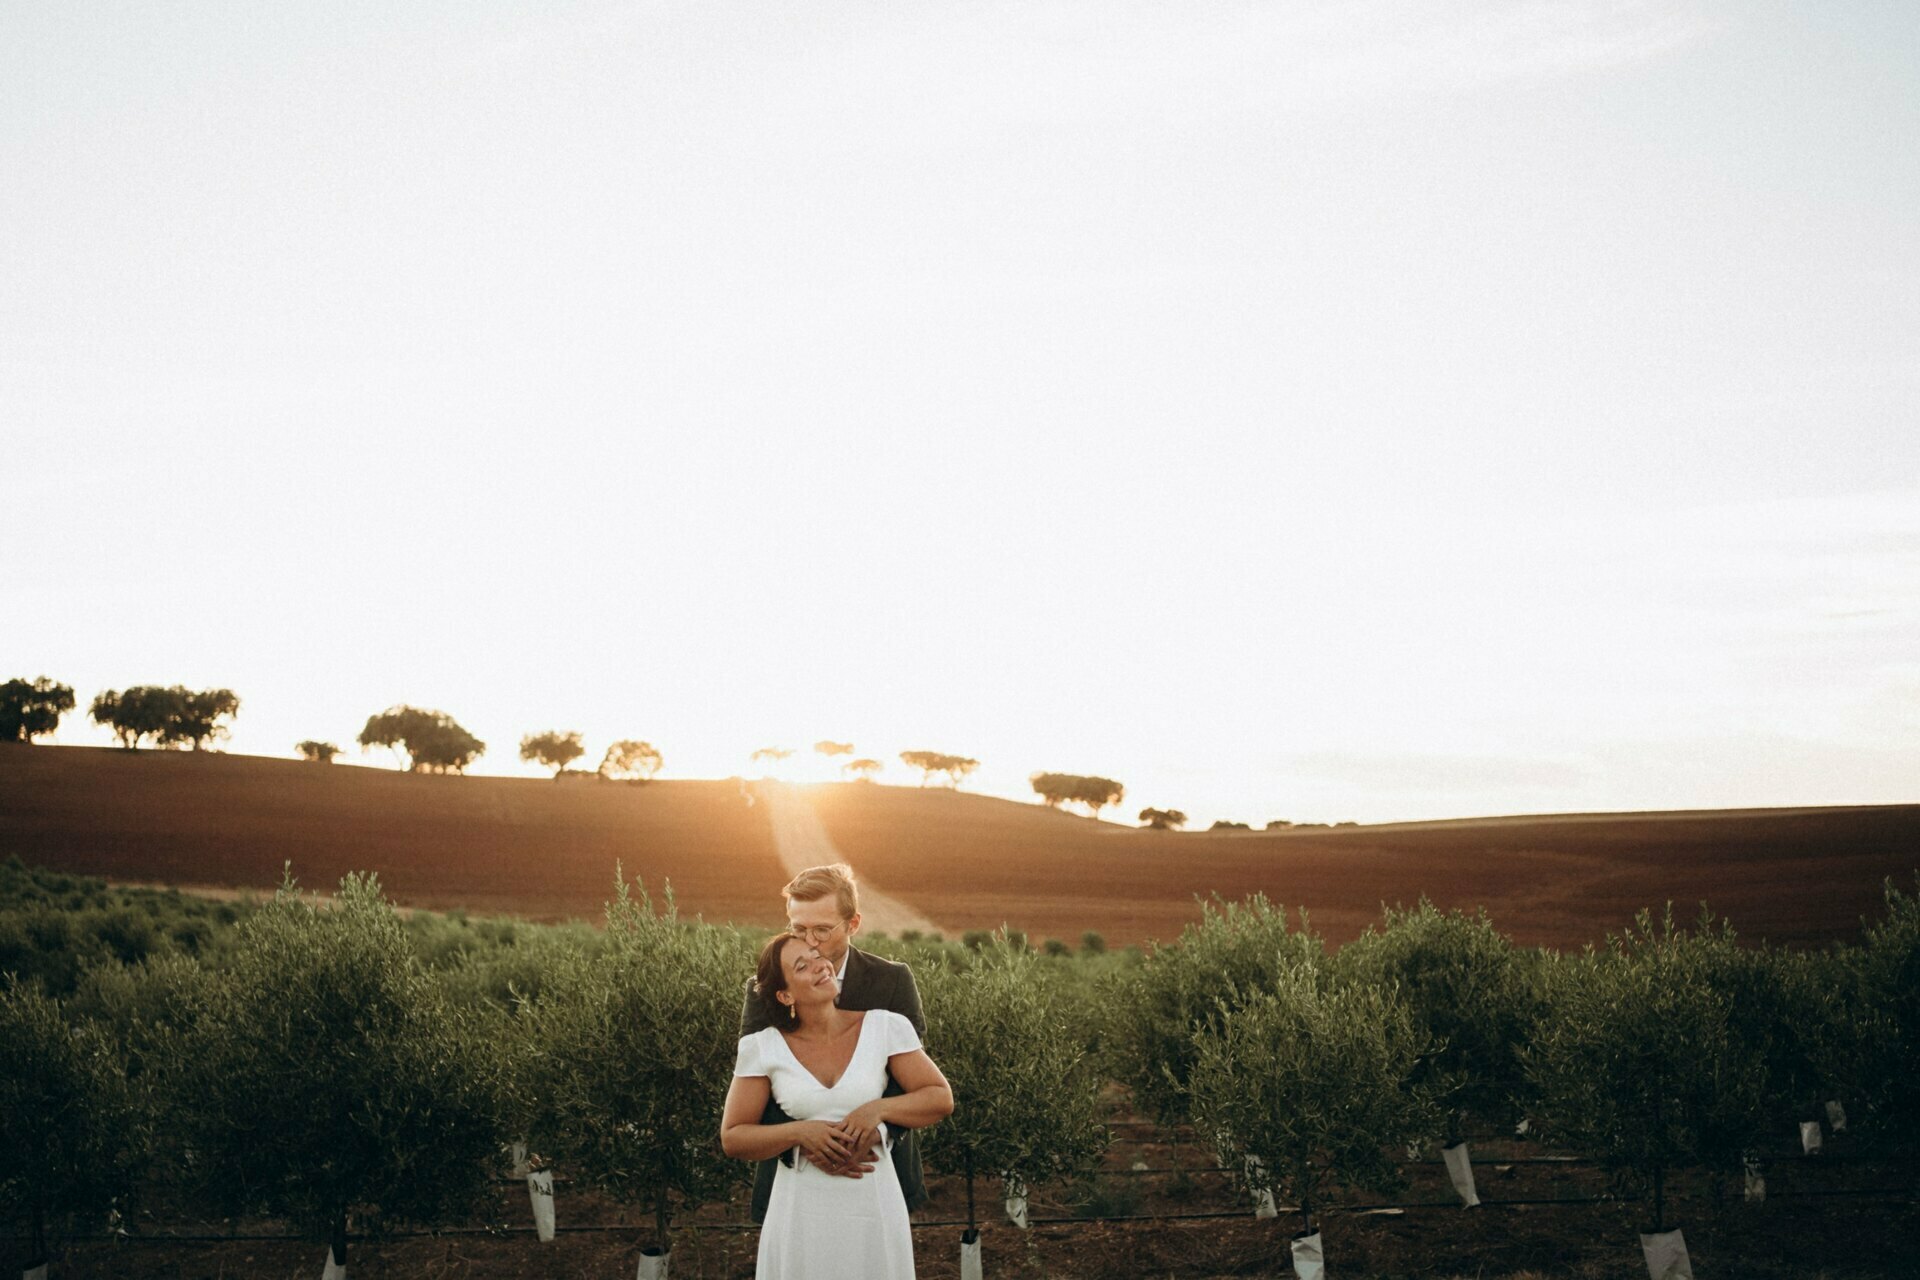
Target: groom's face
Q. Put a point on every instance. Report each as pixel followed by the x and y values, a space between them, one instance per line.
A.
pixel 819 922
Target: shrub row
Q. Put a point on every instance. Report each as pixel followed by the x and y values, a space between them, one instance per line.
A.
pixel 326 1063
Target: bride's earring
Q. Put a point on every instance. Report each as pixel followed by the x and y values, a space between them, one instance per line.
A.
pixel 793 1014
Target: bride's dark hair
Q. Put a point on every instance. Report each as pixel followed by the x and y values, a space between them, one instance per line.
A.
pixel 770 977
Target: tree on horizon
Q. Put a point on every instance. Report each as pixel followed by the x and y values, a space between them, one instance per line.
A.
pixel 554 749
pixel 630 759
pixel 932 762
pixel 829 748
pixel 1056 789
pixel 862 769
pixel 434 742
pixel 1163 819
pixel 173 716
pixel 316 751
pixel 31 708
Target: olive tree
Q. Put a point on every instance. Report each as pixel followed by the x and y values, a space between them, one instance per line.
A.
pixel 1156 1009
pixel 1888 1016
pixel 630 1057
pixel 67 1131
pixel 1312 1083
pixel 1025 1088
pixel 1163 819
pixel 1639 1061
pixel 31 709
pixel 1469 992
pixel 316 751
pixel 328 1075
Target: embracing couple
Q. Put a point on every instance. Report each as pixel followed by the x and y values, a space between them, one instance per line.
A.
pixel 828 1087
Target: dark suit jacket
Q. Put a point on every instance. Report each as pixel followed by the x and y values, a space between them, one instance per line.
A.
pixel 871 983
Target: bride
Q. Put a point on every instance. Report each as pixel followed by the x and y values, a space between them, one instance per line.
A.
pixel 828 1067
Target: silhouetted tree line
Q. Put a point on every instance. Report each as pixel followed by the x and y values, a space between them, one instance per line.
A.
pixel 434 742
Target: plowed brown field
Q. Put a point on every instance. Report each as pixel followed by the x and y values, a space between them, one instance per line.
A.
pixel 546 850
pixel 530 847
pixel 1787 875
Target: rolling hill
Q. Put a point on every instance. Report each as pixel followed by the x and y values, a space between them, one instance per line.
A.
pixel 547 850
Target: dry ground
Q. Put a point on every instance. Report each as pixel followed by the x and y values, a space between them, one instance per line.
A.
pixel 546 850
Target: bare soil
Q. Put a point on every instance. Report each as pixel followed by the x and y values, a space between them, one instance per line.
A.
pixel 1796 876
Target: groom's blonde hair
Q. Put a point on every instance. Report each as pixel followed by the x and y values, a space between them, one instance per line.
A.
pixel 817 882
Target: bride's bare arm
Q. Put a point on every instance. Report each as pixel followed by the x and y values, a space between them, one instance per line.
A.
pixel 744 1137
pixel 926 1098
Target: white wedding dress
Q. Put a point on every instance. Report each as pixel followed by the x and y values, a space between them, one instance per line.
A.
pixel 819 1226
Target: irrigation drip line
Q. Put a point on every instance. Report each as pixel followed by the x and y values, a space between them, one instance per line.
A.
pixel 1900 1193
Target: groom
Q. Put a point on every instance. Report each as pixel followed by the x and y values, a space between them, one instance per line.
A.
pixel 823 908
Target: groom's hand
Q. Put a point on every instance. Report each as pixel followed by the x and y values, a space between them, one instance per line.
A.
pixel 857 1165
pixel 826 1145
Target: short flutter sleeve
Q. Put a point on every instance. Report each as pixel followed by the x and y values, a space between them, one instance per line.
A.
pixel 900 1035
pixel 748 1061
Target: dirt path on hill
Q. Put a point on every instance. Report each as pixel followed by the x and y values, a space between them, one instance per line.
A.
pixel 802 842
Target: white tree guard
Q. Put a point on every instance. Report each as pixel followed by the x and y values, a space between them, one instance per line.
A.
pixel 35 1273
pixel 517 1156
pixel 333 1270
pixel 970 1255
pixel 1016 1200
pixel 540 1192
pixel 1460 1173
pixel 1666 1254
pixel 1836 1117
pixel 653 1264
pixel 1756 1178
pixel 1263 1206
pixel 1810 1136
pixel 1522 1129
pixel 1308 1262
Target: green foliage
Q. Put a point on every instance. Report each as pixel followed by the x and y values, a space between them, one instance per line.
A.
pixel 1025 1088
pixel 631 1054
pixel 1072 788
pixel 1314 1082
pixel 173 717
pixel 433 741
pixel 316 751
pixel 1887 1074
pixel 68 1133
pixel 554 749
pixel 1471 995
pixel 957 768
pixel 1236 951
pixel 53 926
pixel 1163 819
pixel 1640 1061
pixel 1092 942
pixel 630 759
pixel 328 1075
pixel 32 709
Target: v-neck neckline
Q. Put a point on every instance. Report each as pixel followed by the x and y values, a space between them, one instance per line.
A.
pixel 859 1038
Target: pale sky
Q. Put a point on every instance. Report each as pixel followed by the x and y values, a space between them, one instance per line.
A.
pixel 1365 411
